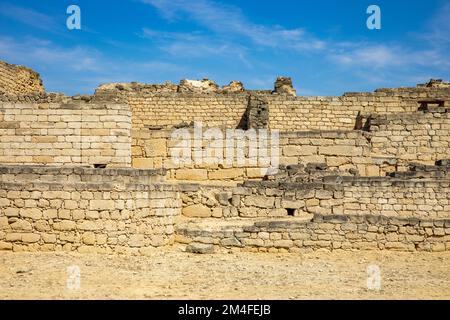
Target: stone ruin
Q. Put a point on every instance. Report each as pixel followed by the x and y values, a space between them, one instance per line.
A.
pixel 367 171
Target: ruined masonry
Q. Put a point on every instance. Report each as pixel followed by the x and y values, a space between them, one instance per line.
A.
pixel 368 171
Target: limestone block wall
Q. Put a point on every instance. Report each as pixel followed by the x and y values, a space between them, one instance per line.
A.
pixel 336 196
pixel 411 137
pixel 328 232
pixel 342 150
pixel 120 177
pixel 69 132
pixel 86 217
pixel 159 149
pixel 288 113
pixel 392 143
pixel 19 80
pixel 167 108
pixel 431 90
pixel 339 150
pixel 170 109
pixel 330 113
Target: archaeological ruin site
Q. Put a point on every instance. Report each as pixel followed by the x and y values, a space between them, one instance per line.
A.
pixel 114 172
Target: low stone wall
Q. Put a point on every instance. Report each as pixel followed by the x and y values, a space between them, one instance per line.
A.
pixel 420 137
pixel 340 150
pixel 345 232
pixel 87 216
pixel 65 133
pixel 216 110
pixel 157 149
pixel 71 174
pixel 286 113
pixel 335 196
pixel 393 141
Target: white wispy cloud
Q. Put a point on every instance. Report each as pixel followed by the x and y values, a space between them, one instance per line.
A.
pixel 47 53
pixel 29 17
pixel 196 45
pixel 389 56
pixel 229 21
pixel 430 48
pixel 438 29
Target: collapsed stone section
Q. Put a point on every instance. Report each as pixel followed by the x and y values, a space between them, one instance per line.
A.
pixel 283 85
pixel 233 87
pixel 307 173
pixel 257 113
pixel 19 80
pixel 411 137
pixel 435 83
pixel 198 86
pixel 136 87
pixel 421 171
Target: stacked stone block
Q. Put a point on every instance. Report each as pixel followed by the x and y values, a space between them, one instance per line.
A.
pixel 65 133
pixel 86 216
pixel 336 232
pixel 334 195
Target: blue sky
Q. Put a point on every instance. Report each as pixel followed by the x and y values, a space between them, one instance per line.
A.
pixel 324 46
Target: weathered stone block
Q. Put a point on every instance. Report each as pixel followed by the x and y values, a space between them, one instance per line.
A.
pixel 197 211
pixel 191 174
pixel 101 204
pixel 226 174
pixel 259 201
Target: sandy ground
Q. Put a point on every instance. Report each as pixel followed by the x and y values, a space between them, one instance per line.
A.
pixel 173 274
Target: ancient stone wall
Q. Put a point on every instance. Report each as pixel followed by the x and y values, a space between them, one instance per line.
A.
pixel 204 159
pixel 65 133
pixel 337 195
pixel 361 171
pixel 338 149
pixel 168 110
pixel 286 112
pixel 411 137
pixel 392 142
pixel 86 216
pixel 339 113
pixel 19 80
pixel 75 174
pixel 344 232
pixel 338 213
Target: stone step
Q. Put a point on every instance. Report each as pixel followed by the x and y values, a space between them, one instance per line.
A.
pixel 294 234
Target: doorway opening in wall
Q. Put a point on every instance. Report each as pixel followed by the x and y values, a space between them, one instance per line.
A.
pixel 290 212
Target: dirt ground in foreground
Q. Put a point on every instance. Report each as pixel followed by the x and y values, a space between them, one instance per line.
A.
pixel 173 274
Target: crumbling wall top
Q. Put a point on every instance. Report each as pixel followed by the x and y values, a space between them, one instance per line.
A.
pixel 283 86
pixel 16 79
